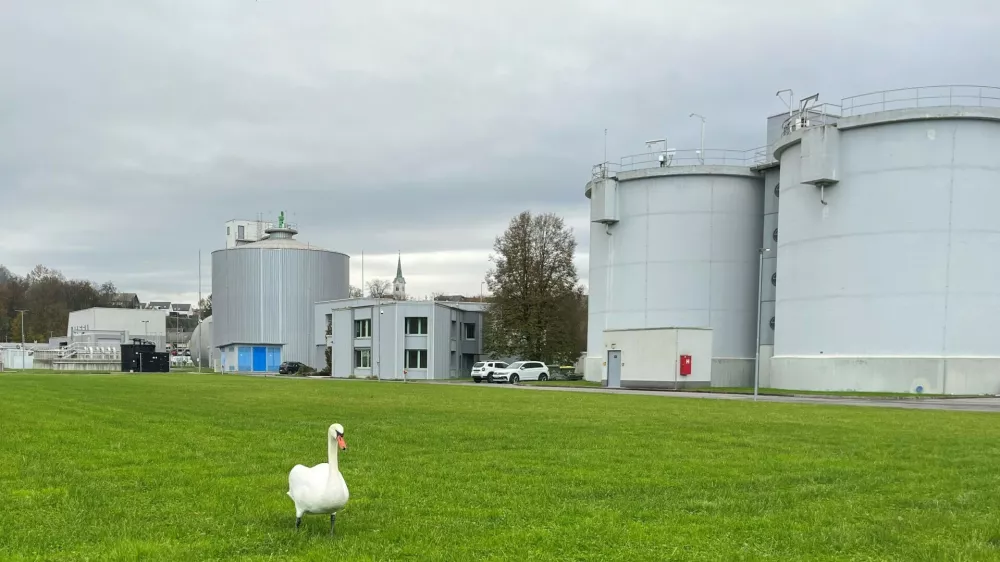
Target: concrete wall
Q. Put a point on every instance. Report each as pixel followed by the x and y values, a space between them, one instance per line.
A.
pixel 892 284
pixel 650 357
pixel 684 254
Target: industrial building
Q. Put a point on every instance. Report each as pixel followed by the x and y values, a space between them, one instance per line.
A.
pixel 242 231
pixel 263 297
pixel 399 339
pixel 883 277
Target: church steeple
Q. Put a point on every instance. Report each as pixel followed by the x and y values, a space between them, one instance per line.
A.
pixel 399 283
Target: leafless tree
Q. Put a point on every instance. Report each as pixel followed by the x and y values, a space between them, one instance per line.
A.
pixel 379 289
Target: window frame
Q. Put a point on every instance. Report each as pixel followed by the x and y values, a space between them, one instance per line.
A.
pixel 359 357
pixel 359 326
pixel 421 354
pixel 421 324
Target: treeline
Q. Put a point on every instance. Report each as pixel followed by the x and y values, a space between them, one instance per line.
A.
pixel 49 298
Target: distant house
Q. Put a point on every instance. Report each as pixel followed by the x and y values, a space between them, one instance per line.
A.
pixel 125 300
pixel 177 309
pixel 159 305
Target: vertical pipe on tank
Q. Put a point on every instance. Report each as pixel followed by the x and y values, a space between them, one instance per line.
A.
pixel 760 287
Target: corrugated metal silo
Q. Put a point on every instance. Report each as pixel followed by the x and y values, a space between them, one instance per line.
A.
pixel 263 295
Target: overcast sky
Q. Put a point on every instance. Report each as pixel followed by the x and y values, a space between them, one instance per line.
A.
pixel 130 131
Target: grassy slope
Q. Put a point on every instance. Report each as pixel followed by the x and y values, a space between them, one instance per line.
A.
pixel 195 467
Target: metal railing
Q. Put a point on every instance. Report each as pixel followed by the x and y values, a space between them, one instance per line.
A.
pixel 685 157
pixel 693 157
pixel 815 116
pixel 923 96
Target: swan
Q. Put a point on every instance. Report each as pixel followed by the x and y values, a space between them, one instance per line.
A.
pixel 320 489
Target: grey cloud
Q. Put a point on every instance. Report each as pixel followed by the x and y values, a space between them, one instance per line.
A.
pixel 134 130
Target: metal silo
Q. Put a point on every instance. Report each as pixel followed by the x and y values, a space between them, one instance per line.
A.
pixel 264 296
pixel 203 353
pixel 674 245
pixel 890 246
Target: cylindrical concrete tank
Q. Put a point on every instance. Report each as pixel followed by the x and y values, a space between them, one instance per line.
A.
pixel 680 252
pixel 265 293
pixel 889 254
pixel 202 352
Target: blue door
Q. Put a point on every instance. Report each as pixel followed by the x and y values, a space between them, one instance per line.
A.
pixel 259 359
pixel 243 359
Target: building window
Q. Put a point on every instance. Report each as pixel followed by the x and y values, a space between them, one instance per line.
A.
pixel 239 230
pixel 362 358
pixel 228 231
pixel 416 326
pixel 416 358
pixel 470 331
pixel 363 328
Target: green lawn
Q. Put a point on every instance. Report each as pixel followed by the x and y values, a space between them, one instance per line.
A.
pixel 194 467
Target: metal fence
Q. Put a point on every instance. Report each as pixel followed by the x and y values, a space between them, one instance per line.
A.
pixel 923 96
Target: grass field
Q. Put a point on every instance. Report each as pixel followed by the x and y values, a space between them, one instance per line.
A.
pixel 189 467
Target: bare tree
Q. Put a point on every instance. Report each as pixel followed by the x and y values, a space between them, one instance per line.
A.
pixel 533 312
pixel 379 289
pixel 356 292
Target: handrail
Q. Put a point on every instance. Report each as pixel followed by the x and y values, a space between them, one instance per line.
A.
pixel 921 96
pixel 693 157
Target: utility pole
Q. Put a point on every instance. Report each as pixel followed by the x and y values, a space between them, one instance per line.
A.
pixel 22 311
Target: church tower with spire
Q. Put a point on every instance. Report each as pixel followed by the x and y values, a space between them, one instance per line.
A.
pixel 399 283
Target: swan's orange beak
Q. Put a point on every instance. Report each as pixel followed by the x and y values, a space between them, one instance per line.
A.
pixel 340 441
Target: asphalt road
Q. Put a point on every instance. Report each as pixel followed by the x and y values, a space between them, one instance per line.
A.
pixel 986 404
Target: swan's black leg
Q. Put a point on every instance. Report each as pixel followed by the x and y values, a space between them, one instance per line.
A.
pixel 298 521
pixel 333 518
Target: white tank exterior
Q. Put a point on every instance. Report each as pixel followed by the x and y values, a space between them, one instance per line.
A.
pixel 892 285
pixel 682 251
pixel 202 351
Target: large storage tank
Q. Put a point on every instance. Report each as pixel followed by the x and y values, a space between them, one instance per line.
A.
pixel 890 253
pixel 264 295
pixel 203 353
pixel 677 247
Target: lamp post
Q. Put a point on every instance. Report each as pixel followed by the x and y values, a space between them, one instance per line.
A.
pixel 23 353
pixel 760 287
pixel 702 151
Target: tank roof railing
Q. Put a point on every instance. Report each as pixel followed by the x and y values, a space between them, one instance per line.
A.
pixel 693 157
pixel 923 96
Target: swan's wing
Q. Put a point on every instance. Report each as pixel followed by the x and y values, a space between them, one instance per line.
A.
pixel 303 478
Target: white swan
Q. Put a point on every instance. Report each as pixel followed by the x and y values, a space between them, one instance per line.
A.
pixel 320 489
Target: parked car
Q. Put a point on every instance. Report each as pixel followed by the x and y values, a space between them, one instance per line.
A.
pixel 484 370
pixel 289 367
pixel 522 371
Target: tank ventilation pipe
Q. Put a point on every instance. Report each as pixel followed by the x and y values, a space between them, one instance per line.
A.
pixel 822 193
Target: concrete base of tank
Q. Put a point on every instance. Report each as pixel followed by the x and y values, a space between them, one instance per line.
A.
pixel 925 375
pixel 726 373
pixel 660 385
pixel 731 372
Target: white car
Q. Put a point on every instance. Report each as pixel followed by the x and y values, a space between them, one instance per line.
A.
pixel 484 370
pixel 522 371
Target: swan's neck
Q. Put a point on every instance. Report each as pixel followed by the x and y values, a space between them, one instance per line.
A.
pixel 332 454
